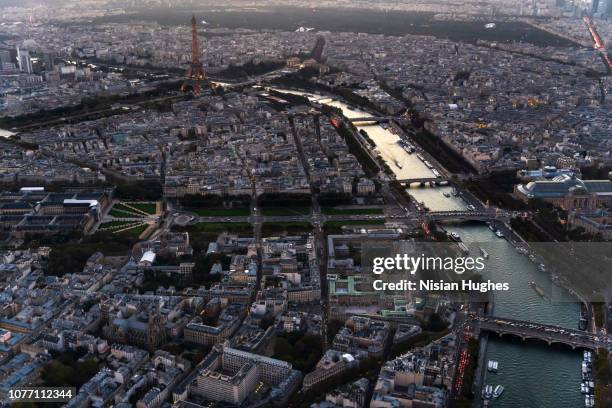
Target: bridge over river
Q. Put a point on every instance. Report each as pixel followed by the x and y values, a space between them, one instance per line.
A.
pixel 547 333
pixel 424 180
pixel 377 119
pixel 465 215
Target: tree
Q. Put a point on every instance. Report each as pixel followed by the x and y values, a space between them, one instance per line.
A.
pixel 435 323
pixel 333 327
pixel 75 374
pixel 266 322
pixel 302 350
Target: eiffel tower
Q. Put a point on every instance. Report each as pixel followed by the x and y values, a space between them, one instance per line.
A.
pixel 195 75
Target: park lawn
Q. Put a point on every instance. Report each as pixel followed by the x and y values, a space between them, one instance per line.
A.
pixel 135 231
pixel 123 214
pixel 115 224
pixel 222 212
pixel 351 211
pixel 122 207
pixel 222 227
pixel 149 208
pixel 285 211
pixel 297 227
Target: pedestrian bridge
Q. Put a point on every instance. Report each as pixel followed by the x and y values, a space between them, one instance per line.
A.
pixel 547 333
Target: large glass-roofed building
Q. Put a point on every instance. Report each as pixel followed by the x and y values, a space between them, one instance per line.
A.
pixel 568 192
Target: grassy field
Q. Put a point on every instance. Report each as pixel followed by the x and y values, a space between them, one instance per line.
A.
pixel 123 214
pixel 277 228
pixel 149 208
pixel 135 231
pixel 219 227
pixel 351 211
pixel 138 208
pixel 121 207
pixel 115 224
pixel 222 212
pixel 285 211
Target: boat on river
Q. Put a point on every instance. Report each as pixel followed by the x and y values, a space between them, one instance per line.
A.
pixel 464 248
pixel 484 253
pixel 497 392
pixel 488 392
pixel 584 387
pixel 538 289
pixel 589 401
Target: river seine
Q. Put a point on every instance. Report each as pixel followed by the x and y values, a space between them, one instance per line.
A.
pixel 534 375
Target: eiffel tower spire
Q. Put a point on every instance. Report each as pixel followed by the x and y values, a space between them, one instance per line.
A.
pixel 195 74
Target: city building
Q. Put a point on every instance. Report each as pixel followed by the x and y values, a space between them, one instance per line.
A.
pixel 231 375
pixel 332 364
pixel 568 192
pixel 351 395
pixel 419 378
